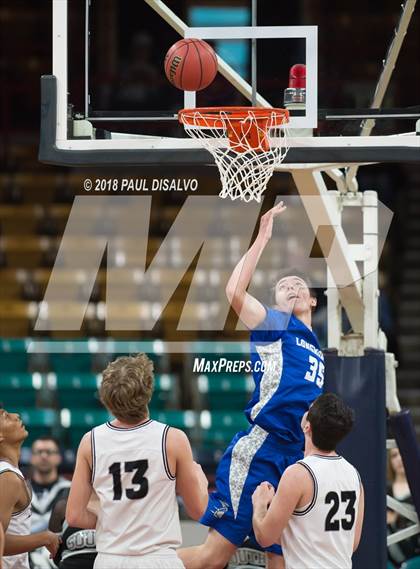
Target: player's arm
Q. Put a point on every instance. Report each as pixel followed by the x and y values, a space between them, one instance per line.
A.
pixel 191 482
pixel 359 520
pixel 249 309
pixel 77 512
pixel 269 523
pixel 10 488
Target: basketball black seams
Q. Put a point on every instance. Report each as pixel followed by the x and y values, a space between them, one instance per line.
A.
pixel 183 65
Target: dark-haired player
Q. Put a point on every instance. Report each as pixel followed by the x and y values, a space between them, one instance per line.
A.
pixel 15 498
pixel 288 370
pixel 317 511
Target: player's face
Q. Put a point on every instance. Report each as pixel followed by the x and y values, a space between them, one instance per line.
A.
pixel 45 456
pixel 292 295
pixel 12 430
pixel 396 461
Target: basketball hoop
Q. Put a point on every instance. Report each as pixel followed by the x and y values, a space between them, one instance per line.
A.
pixel 246 143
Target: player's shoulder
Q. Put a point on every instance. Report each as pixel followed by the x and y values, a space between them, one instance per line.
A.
pixel 275 320
pixel 11 479
pixel 85 445
pixel 176 436
pixel 297 471
pixel 295 476
pixel 351 468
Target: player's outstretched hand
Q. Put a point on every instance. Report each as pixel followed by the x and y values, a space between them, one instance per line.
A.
pixel 266 222
pixel 52 543
pixel 263 494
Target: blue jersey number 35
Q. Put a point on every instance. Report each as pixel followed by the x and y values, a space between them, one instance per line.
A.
pixel 315 372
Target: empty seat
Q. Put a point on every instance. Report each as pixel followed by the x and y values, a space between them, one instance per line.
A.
pixel 224 391
pixel 38 422
pixel 218 428
pixel 73 357
pixel 77 422
pixel 166 392
pixel 79 390
pixel 24 251
pixel 19 389
pixel 19 220
pixel 185 420
pixel 14 355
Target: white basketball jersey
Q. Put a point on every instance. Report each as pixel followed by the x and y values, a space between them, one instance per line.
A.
pixel 138 508
pixel 322 533
pixel 20 524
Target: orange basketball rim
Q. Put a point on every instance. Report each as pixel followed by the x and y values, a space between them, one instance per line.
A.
pixel 247 128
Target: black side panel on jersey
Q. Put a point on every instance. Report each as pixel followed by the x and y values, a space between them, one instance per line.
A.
pixel 360 381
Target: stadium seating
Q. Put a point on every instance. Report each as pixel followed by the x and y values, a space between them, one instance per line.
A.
pixel 184 420
pixel 79 391
pixel 14 354
pixel 19 389
pixel 219 427
pixel 39 422
pixel 77 422
pixel 224 391
pixel 413 563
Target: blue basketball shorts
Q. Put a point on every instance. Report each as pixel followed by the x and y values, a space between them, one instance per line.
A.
pixel 253 456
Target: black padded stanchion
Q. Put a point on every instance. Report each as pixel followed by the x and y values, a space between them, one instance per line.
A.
pixel 360 381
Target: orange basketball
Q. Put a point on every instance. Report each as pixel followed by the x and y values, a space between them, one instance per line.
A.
pixel 191 64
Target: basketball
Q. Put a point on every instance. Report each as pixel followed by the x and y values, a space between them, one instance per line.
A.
pixel 191 64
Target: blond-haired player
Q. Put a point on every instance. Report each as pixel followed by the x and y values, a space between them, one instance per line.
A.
pixel 136 466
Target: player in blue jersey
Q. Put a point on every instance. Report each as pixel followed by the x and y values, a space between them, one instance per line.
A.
pixel 288 370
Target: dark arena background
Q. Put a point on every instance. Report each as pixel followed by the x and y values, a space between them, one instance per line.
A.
pixel 52 351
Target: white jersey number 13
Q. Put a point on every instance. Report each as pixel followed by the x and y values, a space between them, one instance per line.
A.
pixel 139 467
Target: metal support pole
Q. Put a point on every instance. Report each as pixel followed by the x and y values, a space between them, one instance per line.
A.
pixel 370 266
pixel 324 213
pixel 386 74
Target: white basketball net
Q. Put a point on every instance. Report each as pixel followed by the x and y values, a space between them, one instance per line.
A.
pixel 245 167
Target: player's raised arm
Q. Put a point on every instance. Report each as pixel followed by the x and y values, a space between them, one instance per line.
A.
pixel 249 309
pixel 77 513
pixel 191 482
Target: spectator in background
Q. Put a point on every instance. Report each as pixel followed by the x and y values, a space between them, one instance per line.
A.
pixel 399 489
pixel 47 488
